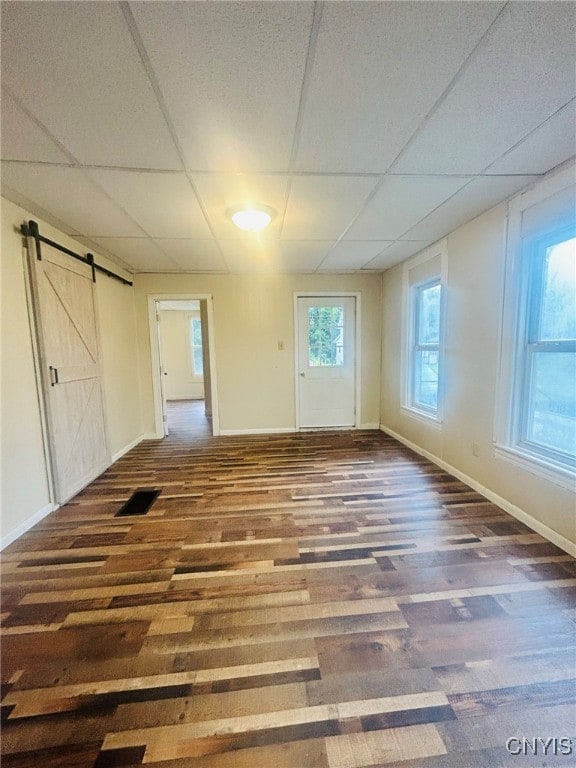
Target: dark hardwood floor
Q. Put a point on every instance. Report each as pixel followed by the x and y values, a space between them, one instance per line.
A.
pixel 320 600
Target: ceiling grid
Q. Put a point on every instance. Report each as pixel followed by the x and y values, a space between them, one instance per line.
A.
pixel 373 129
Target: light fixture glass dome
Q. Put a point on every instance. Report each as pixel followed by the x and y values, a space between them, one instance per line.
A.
pixel 251 219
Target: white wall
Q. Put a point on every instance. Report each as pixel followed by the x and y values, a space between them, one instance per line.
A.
pixel 178 381
pixel 25 495
pixel 474 293
pixel 252 313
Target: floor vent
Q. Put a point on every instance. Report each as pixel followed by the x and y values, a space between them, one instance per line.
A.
pixel 139 503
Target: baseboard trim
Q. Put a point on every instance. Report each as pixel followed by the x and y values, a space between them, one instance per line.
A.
pixel 26 525
pixel 152 436
pixel 548 533
pixel 123 451
pixel 370 425
pixel 269 431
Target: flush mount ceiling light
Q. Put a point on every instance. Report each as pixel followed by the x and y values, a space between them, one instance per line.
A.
pixel 251 218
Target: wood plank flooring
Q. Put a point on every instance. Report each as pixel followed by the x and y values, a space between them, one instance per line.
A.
pixel 320 600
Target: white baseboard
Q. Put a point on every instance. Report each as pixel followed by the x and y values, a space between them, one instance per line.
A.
pixel 270 431
pixel 26 525
pixel 122 451
pixel 152 436
pixel 370 425
pixel 548 533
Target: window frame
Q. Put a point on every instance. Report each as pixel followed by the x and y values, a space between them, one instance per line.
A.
pixel 433 417
pixel 512 391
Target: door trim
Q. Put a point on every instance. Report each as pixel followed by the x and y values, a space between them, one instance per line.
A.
pixel 155 357
pixel 357 295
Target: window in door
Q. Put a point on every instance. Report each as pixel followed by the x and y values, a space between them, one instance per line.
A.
pixel 325 336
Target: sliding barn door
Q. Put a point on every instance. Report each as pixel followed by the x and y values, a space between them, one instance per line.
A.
pixel 64 304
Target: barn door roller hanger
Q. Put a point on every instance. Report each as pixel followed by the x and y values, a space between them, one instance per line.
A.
pixel 31 230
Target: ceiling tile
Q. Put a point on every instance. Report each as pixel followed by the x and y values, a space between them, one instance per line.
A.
pixel 75 67
pixel 142 254
pixel 548 146
pixel 400 203
pixel 350 254
pixel 68 195
pixel 321 207
pixel 221 191
pixel 396 253
pixel 522 75
pixel 231 75
pixel 482 193
pixel 302 256
pixel 194 255
pixel 23 139
pixel 246 255
pixel 163 204
pixel 378 70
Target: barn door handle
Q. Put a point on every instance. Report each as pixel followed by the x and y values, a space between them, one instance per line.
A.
pixel 53 375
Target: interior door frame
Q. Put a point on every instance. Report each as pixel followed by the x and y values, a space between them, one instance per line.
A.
pixel 357 295
pixel 155 356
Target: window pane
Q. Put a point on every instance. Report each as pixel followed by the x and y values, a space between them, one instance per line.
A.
pixel 325 336
pixel 198 366
pixel 552 406
pixel 196 333
pixel 426 379
pixel 428 330
pixel 558 316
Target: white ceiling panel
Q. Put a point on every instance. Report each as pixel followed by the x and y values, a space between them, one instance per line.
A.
pixel 378 70
pixel 75 67
pixel 71 197
pixel 302 256
pixel 400 203
pixel 548 146
pixel 321 207
pixel 522 75
pixel 482 193
pixel 221 191
pixel 250 255
pixel 231 74
pixel 23 139
pixel 352 255
pixel 396 253
pixel 194 255
pixel 163 204
pixel 140 253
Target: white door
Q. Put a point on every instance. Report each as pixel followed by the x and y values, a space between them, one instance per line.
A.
pixel 327 361
pixel 65 312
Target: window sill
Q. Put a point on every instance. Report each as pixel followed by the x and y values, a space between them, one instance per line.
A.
pixel 536 465
pixel 422 416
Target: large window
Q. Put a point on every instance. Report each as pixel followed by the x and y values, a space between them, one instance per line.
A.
pixel 196 346
pixel 424 278
pixel 545 402
pixel 425 347
pixel 535 422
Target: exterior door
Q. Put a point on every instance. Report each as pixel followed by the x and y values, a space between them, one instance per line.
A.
pixel 327 361
pixel 65 313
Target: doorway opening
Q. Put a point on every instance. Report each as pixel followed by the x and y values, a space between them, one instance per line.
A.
pixel 183 366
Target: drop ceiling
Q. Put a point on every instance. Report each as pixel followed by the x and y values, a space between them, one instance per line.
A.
pixel 373 128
